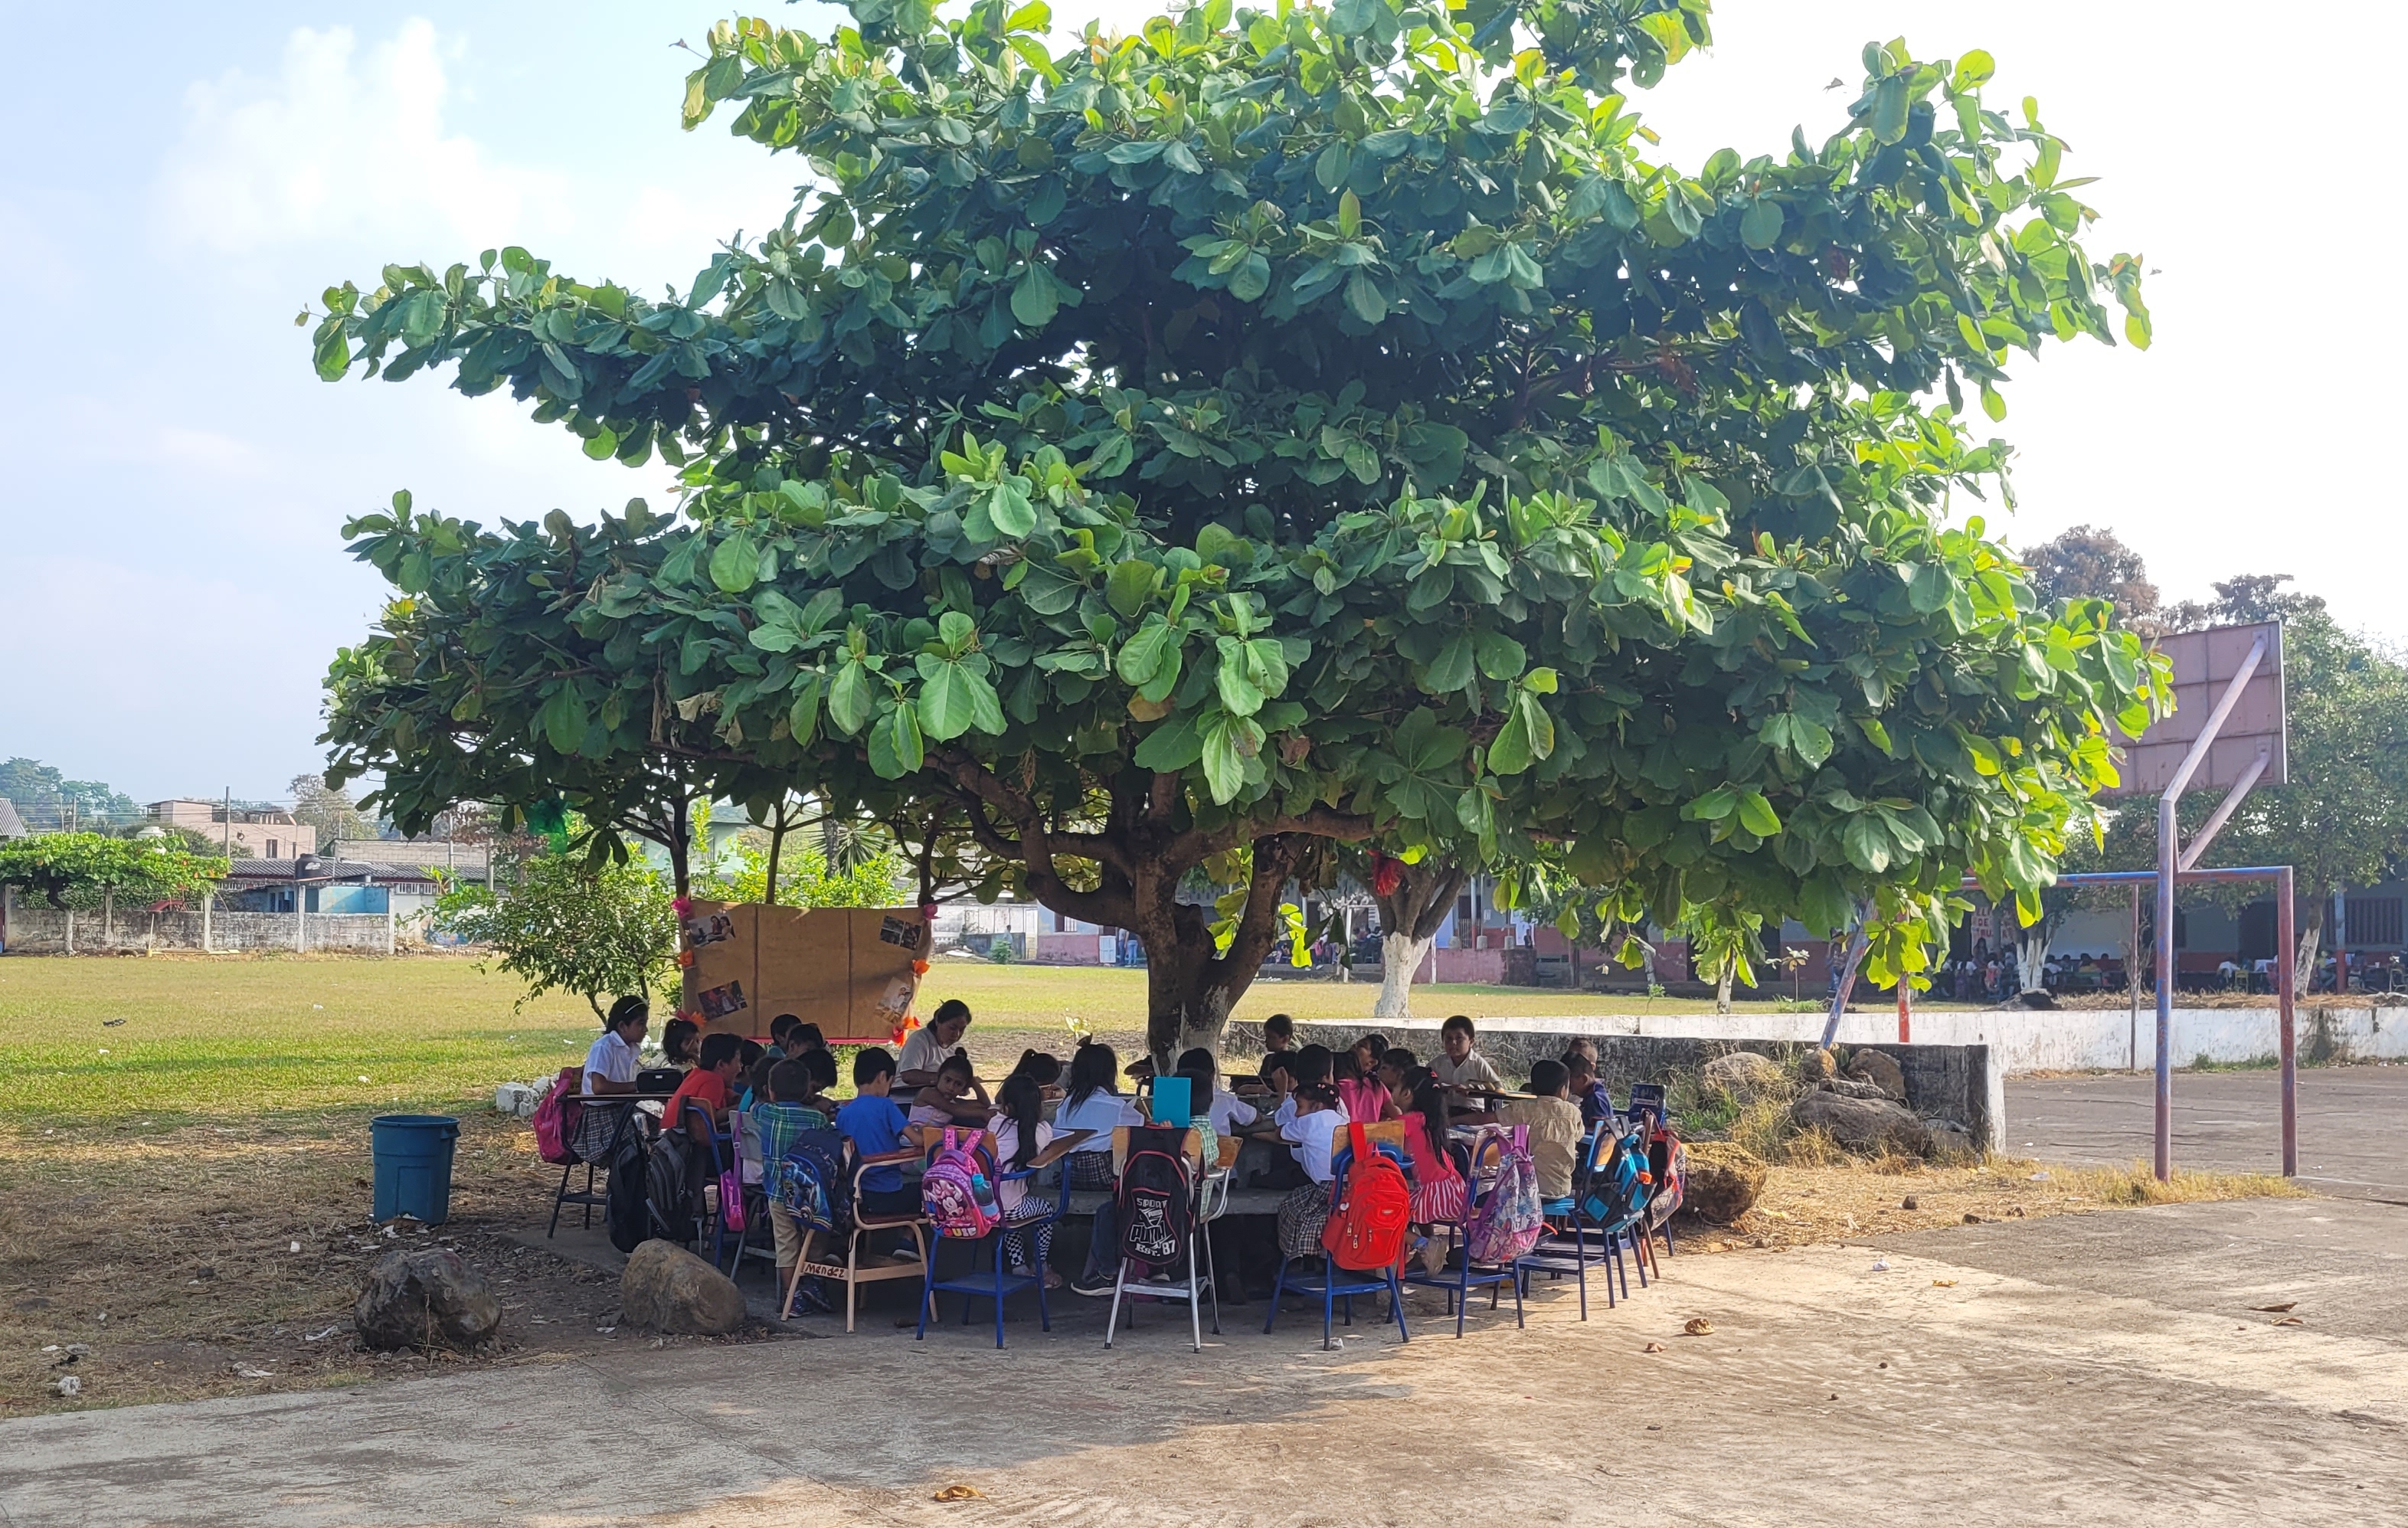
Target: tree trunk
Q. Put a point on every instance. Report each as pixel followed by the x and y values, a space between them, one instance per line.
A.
pixel 1723 975
pixel 1400 956
pixel 777 843
pixel 2031 949
pixel 2312 939
pixel 1410 917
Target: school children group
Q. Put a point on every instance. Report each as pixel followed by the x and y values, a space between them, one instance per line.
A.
pixel 1298 1105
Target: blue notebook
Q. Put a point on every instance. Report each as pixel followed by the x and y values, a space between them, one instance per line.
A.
pixel 1171 1101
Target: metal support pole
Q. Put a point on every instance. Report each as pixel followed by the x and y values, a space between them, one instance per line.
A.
pixel 2132 983
pixel 2285 957
pixel 2168 844
pixel 1905 1012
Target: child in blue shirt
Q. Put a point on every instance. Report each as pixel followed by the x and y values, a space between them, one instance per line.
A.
pixel 873 1123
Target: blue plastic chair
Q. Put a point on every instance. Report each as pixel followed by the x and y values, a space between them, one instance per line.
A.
pixel 1333 1283
pixel 1460 1279
pixel 1595 1239
pixel 996 1282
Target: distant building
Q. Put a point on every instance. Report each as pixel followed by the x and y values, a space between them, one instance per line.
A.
pixel 266 832
pixel 322 885
pixel 11 825
pixel 465 861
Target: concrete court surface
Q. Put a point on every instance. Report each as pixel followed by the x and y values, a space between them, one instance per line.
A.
pixel 2105 1368
pixel 2353 1124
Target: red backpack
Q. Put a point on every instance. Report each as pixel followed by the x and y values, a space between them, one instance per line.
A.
pixel 555 1117
pixel 1370 1211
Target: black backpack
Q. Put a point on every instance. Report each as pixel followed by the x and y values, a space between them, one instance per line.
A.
pixel 668 1189
pixel 1157 1210
pixel 622 1202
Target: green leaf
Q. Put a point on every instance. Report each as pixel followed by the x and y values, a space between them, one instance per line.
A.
pixel 1171 747
pixel 896 746
pixel 948 703
pixel 1866 842
pixel 1451 670
pixel 1714 806
pixel 563 719
pixel 1129 586
pixel 1501 656
pixel 1143 655
pixel 1363 298
pixel 1350 216
pixel 1756 815
pixel 1891 108
pixel 1240 694
pixel 803 716
pixel 1224 767
pixel 1760 226
pixel 1033 300
pixel 734 564
pixel 1010 509
pixel 850 698
pixel 1810 741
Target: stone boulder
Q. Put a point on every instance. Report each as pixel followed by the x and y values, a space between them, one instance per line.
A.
pixel 1722 1182
pixel 668 1288
pixel 425 1298
pixel 1743 1077
pixel 1881 1069
pixel 1866 1127
pixel 1819 1066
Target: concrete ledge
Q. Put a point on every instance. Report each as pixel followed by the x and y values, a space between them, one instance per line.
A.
pixel 2020 1040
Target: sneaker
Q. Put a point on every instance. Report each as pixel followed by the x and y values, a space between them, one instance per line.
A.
pixel 1095 1288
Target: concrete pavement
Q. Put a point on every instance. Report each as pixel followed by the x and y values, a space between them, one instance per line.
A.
pixel 2353 1124
pixel 2107 1368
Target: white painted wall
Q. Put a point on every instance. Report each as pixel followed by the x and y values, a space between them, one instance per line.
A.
pixel 2024 1040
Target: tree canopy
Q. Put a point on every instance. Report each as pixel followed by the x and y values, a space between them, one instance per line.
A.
pixel 85 869
pixel 569 926
pixel 1276 429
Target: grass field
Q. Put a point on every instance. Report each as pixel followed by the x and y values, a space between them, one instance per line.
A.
pixel 124 1040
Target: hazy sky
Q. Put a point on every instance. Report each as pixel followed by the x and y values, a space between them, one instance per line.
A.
pixel 171 529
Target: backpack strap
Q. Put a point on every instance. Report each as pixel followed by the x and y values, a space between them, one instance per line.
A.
pixel 1360 1142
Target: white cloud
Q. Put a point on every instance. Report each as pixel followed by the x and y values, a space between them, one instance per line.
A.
pixel 341 146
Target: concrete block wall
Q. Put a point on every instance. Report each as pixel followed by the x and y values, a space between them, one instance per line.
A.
pixel 46 931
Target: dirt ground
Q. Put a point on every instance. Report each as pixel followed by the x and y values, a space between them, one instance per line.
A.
pixel 222 1259
pixel 2121 1370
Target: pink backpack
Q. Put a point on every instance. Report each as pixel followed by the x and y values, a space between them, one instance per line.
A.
pixel 1507 1221
pixel 957 1190
pixel 556 1115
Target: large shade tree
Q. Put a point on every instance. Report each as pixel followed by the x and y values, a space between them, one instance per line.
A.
pixel 1274 430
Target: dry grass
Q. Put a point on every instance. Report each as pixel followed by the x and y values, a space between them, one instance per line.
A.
pixel 1851 1198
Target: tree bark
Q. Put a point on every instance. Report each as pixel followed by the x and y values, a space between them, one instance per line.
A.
pixel 2031 949
pixel 1409 919
pixel 2312 939
pixel 1724 973
pixel 1400 956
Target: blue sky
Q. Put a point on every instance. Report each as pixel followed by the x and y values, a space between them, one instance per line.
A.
pixel 172 522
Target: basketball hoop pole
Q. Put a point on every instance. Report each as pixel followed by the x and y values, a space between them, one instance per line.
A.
pixel 2171 861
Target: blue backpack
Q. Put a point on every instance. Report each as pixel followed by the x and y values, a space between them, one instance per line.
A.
pixel 811 1183
pixel 1618 1187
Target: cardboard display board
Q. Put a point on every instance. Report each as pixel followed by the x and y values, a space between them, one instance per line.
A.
pixel 849 970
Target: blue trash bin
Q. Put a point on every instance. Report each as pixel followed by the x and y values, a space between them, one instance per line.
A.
pixel 413 1165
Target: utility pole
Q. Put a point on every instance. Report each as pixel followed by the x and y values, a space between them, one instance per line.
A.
pixel 225 821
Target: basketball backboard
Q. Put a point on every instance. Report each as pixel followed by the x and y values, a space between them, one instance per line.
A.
pixel 2204 663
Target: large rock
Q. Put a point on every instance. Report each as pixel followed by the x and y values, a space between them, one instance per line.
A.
pixel 425 1298
pixel 668 1288
pixel 1818 1065
pixel 1864 1126
pixel 1722 1182
pixel 1743 1077
pixel 1881 1069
